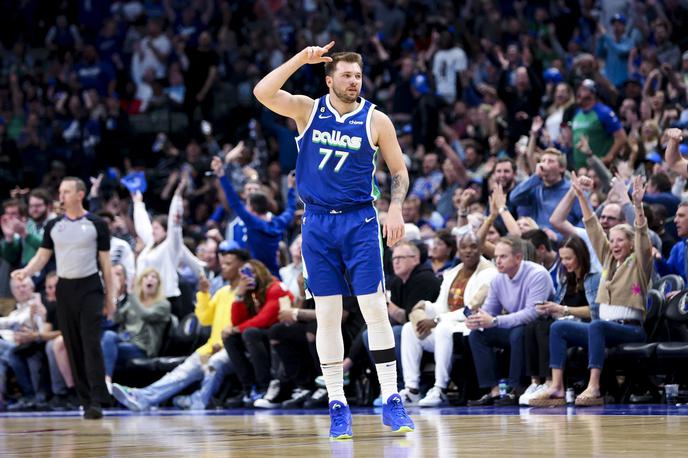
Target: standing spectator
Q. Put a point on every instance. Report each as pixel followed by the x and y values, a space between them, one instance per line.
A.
pixel 447 63
pixel 427 185
pixel 151 52
pixel 540 194
pixel 63 36
pixel 667 52
pixel 599 124
pixel 264 231
pixel 522 99
pixel 510 305
pixel 614 48
pixel 94 73
pixel 120 250
pixel 200 68
pixel 81 243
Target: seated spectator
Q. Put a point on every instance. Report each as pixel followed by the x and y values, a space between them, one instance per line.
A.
pixel 264 231
pixel 18 349
pixel 539 195
pixel 545 255
pixel 209 363
pixel 574 299
pixel 676 264
pixel 442 252
pixel 142 321
pixel 627 260
pixel 465 285
pixel 292 272
pixel 255 308
pixel 510 305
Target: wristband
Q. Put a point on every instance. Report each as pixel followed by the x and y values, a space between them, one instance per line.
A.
pixel 295 314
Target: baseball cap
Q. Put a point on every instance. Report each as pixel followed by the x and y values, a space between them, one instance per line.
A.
pixel 654 156
pixel 553 75
pixel 232 247
pixel 589 85
pixel 420 84
pixel 618 17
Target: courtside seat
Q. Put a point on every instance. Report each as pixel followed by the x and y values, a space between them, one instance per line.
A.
pixel 669 283
pixel 672 350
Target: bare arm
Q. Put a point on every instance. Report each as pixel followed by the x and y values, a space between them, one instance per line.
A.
pixel 384 135
pixel 106 268
pixel 674 159
pixel 487 247
pixel 39 260
pixel 559 220
pixel 269 90
pixel 498 207
pixel 619 142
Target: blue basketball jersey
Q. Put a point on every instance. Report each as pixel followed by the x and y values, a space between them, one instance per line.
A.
pixel 335 168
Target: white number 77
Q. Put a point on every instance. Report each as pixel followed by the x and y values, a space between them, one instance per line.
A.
pixel 342 155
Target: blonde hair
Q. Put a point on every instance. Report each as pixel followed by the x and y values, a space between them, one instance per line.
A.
pixel 627 230
pixel 138 289
pixel 561 157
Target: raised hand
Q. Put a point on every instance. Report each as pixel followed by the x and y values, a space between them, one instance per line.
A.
pixel 217 167
pixel 638 192
pixel 316 54
pixel 536 124
pixel 584 146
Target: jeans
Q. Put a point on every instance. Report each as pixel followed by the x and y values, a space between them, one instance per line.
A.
pixel 482 343
pixel 188 372
pixel 5 349
pixel 28 370
pixel 396 329
pixel 117 351
pixel 253 369
pixel 57 382
pixel 596 336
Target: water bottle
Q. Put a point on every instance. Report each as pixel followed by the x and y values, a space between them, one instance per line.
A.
pixel 570 396
pixel 503 386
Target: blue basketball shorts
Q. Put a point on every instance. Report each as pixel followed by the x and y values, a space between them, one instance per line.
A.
pixel 337 243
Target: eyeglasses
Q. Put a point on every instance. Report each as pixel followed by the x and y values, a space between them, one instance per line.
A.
pixel 397 258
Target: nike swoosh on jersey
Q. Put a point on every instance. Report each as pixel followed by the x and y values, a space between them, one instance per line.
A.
pixel 324 117
pixel 367 220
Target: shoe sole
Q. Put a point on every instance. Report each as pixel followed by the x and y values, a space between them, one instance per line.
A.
pixel 342 437
pixel 403 429
pixel 123 398
pixel 547 403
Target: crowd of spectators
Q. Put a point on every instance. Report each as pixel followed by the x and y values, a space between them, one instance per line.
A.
pixel 509 115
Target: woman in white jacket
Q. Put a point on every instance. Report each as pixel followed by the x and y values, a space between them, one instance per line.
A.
pixel 163 247
pixel 433 325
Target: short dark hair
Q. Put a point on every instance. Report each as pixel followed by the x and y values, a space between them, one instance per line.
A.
pixel 43 194
pixel 78 182
pixel 104 214
pixel 538 238
pixel 502 160
pixel 446 236
pixel 243 255
pixel 8 203
pixel 351 57
pixel 661 182
pixel 259 203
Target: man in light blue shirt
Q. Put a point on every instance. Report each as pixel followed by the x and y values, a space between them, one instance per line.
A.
pixel 614 48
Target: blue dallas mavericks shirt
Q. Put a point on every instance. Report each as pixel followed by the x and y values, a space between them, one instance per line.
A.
pixel 335 168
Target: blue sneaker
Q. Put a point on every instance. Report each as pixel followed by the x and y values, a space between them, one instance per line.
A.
pixel 340 421
pixel 394 415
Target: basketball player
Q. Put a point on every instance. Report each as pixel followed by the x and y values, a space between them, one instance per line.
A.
pixel 340 135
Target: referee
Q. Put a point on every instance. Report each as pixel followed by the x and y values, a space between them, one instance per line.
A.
pixel 81 241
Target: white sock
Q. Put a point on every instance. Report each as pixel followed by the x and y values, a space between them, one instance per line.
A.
pixel 333 373
pixel 387 374
pixel 381 341
pixel 330 344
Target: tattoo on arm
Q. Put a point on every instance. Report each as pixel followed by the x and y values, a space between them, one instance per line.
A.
pixel 400 184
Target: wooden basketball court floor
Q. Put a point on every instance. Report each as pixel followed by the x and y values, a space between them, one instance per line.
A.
pixel 643 431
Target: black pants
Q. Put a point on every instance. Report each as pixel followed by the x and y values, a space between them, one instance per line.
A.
pixel 253 369
pixel 536 346
pixel 292 349
pixel 79 312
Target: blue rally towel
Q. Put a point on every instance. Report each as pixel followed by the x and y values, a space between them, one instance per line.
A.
pixel 135 181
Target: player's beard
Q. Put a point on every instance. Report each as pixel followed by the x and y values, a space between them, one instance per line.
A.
pixel 345 96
